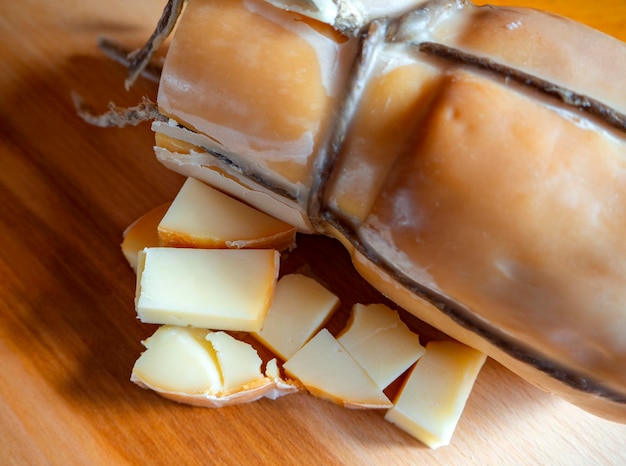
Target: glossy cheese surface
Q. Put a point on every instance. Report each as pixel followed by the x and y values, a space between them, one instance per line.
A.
pixel 521 224
pixel 269 94
pixel 541 44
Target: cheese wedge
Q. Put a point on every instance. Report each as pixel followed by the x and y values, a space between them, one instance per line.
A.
pixel 207 288
pixel 142 233
pixel 328 371
pixel 300 307
pixel 203 217
pixel 204 368
pixel 179 359
pixel 380 342
pixel 433 397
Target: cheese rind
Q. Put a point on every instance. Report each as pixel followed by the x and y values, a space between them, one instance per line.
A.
pixel 203 217
pixel 328 371
pixel 377 338
pixel 142 233
pixel 433 397
pixel 207 288
pixel 300 307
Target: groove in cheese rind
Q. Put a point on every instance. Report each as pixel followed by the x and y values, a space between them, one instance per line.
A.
pixel 203 217
pixel 328 371
pixel 300 307
pixel 296 64
pixel 432 399
pixel 142 233
pixel 204 368
pixel 226 289
pixel 377 338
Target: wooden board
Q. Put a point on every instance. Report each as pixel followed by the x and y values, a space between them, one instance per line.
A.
pixel 68 332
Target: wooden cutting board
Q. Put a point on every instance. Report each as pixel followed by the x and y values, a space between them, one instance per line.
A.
pixel 68 333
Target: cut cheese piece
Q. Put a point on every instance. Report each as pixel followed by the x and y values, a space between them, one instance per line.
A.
pixel 179 359
pixel 377 338
pixel 328 371
pixel 204 368
pixel 142 233
pixel 239 362
pixel 300 307
pixel 209 288
pixel 203 217
pixel 431 402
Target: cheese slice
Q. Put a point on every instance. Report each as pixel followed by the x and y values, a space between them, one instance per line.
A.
pixel 328 371
pixel 300 307
pixel 142 233
pixel 208 288
pixel 203 217
pixel 204 368
pixel 377 338
pixel 433 397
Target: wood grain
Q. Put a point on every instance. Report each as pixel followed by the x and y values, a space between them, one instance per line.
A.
pixel 68 333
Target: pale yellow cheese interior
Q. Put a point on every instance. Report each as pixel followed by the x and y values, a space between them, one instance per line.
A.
pixel 204 368
pixel 179 359
pixel 300 307
pixel 380 342
pixel 203 217
pixel 209 288
pixel 434 395
pixel 239 363
pixel 328 371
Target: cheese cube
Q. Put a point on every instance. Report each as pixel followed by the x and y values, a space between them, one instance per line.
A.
pixel 433 397
pixel 377 338
pixel 208 288
pixel 300 307
pixel 203 217
pixel 328 371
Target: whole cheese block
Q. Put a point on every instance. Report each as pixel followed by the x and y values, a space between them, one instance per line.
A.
pixel 208 288
pixel 471 162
